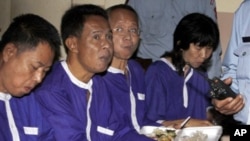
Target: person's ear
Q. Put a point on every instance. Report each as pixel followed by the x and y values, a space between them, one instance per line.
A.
pixel 9 51
pixel 71 43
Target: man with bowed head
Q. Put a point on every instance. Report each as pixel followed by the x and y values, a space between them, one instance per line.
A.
pixel 28 48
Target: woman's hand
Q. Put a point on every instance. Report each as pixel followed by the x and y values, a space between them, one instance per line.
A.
pixel 193 123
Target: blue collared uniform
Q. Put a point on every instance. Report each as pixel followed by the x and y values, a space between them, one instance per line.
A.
pixel 80 111
pixel 237 57
pixel 171 96
pixel 20 118
pixel 128 93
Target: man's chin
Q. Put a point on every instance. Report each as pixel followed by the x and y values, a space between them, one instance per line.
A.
pixel 102 70
pixel 20 94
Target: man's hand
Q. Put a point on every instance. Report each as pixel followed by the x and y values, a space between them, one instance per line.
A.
pixel 229 105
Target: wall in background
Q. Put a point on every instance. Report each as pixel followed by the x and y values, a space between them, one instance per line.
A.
pixel 225 12
pixel 4 15
pixel 103 3
pixel 228 6
pixel 52 10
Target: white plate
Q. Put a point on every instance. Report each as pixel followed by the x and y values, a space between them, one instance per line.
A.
pixel 213 132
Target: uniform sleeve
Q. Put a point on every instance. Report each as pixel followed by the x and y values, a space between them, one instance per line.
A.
pixel 155 99
pixel 237 53
pixel 57 111
pixel 127 133
pixel 230 61
pixel 123 130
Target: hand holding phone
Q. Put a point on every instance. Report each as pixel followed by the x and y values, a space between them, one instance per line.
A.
pixel 220 90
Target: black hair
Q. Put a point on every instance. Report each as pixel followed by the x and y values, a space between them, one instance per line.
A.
pixel 194 28
pixel 73 20
pixel 28 30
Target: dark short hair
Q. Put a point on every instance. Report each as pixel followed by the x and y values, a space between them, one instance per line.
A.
pixel 196 28
pixel 73 20
pixel 28 30
pixel 193 28
pixel 122 6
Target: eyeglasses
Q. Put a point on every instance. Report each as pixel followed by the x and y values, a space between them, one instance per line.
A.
pixel 122 31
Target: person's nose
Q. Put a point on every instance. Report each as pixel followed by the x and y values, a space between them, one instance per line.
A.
pixel 107 44
pixel 203 53
pixel 38 77
pixel 127 35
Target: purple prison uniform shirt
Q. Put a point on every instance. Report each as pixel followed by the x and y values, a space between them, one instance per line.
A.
pixel 165 93
pixel 65 106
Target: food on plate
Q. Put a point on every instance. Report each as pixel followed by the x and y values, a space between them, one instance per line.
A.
pixel 164 135
pixel 196 136
pixel 161 133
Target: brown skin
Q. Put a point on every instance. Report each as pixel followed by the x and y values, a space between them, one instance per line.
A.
pixel 125 43
pixel 21 72
pixel 194 56
pixel 229 105
pixel 191 123
pixel 92 52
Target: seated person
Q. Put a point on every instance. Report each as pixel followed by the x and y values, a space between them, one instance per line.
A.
pixel 125 77
pixel 176 84
pixel 74 100
pixel 28 48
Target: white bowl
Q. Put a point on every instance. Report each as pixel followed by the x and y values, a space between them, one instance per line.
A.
pixel 212 133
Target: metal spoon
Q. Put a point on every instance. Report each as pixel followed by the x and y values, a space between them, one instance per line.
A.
pixel 185 122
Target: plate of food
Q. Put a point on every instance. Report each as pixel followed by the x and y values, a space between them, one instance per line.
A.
pixel 161 133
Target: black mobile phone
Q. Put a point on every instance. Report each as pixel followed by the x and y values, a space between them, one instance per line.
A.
pixel 220 90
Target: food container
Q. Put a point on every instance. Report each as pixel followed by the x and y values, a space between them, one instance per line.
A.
pixel 212 133
pixel 206 133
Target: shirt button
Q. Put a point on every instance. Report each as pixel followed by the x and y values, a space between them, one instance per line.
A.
pixel 244 53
